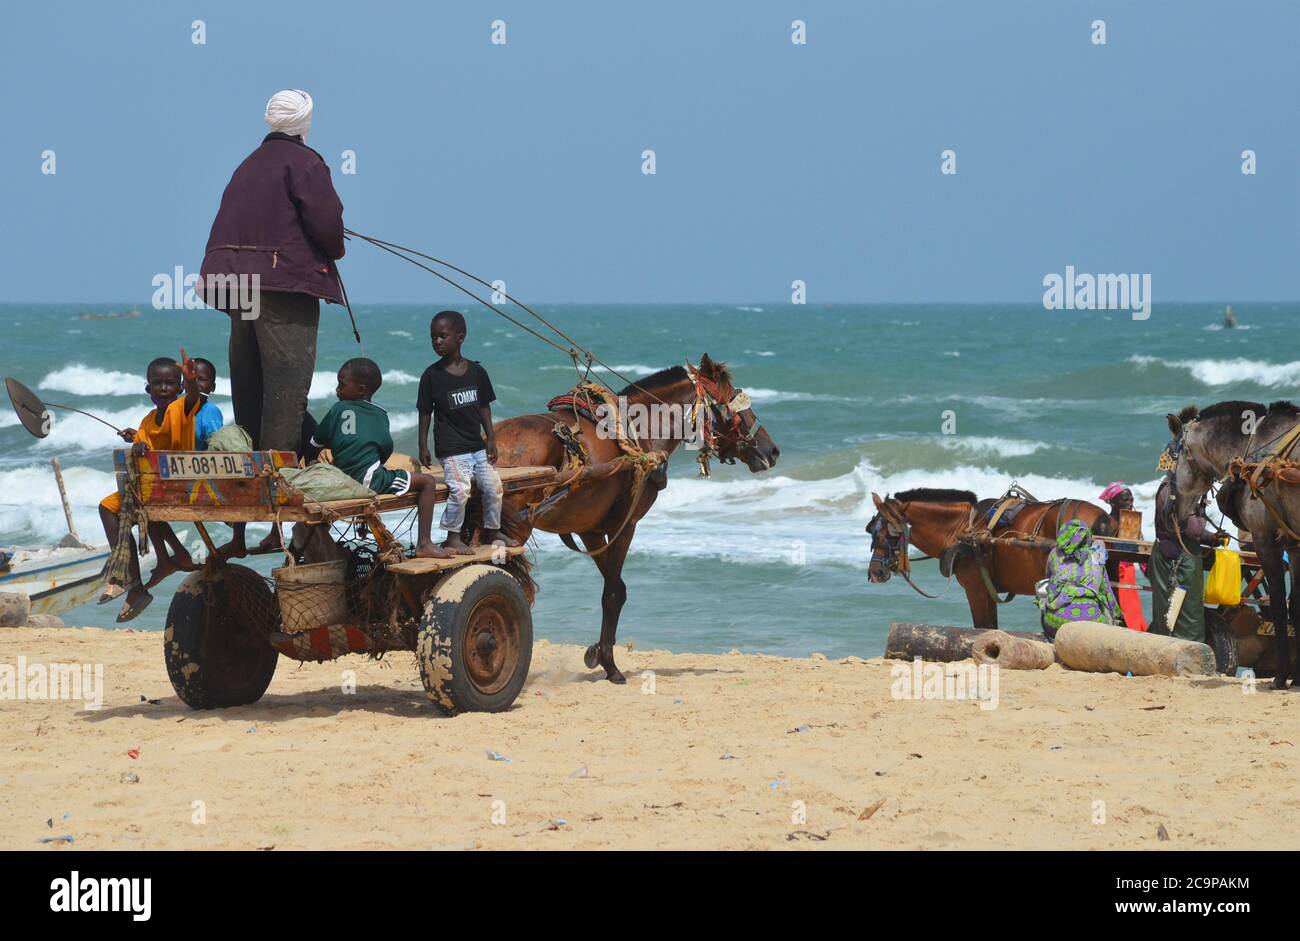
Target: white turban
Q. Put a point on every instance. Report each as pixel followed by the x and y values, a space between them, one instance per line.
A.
pixel 289 112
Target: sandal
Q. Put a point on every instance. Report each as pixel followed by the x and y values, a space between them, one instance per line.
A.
pixel 129 613
pixel 113 591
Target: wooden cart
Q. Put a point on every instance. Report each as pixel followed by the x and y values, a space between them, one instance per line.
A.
pixel 468 619
pixel 1241 635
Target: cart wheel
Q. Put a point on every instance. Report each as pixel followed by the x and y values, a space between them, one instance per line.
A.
pixel 476 640
pixel 216 658
pixel 1222 641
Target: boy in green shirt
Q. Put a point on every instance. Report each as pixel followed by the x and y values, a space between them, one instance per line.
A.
pixel 356 431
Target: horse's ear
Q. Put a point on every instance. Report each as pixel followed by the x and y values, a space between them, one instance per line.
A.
pixel 691 369
pixel 1175 425
pixel 875 498
pixel 706 364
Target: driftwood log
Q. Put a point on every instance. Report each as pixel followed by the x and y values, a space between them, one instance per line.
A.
pixel 1011 652
pixel 938 643
pixel 1105 648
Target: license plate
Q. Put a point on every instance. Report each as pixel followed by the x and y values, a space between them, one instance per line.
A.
pixel 182 465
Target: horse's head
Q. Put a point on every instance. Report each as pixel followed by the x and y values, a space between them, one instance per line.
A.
pixel 731 429
pixel 889 530
pixel 1183 459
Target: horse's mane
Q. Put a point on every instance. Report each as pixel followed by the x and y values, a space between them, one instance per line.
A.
pixel 656 381
pixel 1283 407
pixel 935 495
pixel 1231 410
pixel 671 376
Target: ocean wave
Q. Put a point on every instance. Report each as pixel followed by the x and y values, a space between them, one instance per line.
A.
pixel 31 510
pixel 80 379
pixel 402 421
pixel 1222 372
pixel 633 368
pixel 993 446
pixel 762 519
pixel 761 396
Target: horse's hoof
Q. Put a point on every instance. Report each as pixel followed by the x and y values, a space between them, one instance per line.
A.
pixel 1279 681
pixel 616 676
pixel 592 657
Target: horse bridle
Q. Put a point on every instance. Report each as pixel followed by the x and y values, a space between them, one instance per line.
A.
pixel 712 410
pixel 898 558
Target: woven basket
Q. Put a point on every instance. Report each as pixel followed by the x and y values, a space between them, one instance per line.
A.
pixel 311 596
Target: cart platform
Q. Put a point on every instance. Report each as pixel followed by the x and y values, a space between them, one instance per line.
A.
pixel 242 487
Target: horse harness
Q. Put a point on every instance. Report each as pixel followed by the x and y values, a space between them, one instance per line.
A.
pixel 584 400
pixel 975 536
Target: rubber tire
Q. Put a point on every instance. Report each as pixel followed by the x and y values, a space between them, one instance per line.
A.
pixel 440 644
pixel 189 645
pixel 1222 641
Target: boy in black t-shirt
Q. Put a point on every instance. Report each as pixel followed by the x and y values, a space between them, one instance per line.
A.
pixel 457 393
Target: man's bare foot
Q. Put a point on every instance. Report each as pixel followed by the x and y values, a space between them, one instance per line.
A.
pixel 235 549
pixel 166 566
pixel 185 562
pixel 270 542
pixel 456 545
pixel 492 537
pixel 429 550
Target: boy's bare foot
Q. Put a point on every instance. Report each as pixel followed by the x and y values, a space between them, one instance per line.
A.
pixel 270 542
pixel 429 550
pixel 492 537
pixel 457 546
pixel 166 566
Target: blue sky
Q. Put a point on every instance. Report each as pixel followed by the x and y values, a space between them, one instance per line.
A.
pixel 775 161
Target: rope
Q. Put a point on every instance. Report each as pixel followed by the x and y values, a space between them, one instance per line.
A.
pixel 573 350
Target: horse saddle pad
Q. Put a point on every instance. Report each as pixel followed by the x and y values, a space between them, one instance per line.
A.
pixel 576 403
pixel 1005 520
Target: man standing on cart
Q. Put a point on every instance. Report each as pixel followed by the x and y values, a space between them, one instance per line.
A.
pixel 280 222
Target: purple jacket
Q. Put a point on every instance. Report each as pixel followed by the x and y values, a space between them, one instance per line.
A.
pixel 281 219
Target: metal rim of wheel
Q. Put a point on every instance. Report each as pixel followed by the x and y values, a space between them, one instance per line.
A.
pixel 491 644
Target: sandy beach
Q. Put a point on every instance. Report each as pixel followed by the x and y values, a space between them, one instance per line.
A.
pixel 735 751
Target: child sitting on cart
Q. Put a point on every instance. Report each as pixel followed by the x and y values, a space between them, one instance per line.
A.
pixel 208 420
pixel 168 427
pixel 356 431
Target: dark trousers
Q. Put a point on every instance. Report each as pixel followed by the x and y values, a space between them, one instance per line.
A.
pixel 272 360
pixel 1188 570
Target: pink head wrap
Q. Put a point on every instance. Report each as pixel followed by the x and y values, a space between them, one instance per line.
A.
pixel 1114 490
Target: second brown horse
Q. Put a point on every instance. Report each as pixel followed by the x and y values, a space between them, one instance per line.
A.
pixel 952 526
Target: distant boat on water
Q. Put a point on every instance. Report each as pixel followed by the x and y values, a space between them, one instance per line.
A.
pixel 1229 319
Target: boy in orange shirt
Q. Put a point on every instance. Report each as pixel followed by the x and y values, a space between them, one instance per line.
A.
pixel 169 427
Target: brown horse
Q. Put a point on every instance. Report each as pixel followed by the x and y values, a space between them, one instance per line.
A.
pixel 952 526
pixel 604 510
